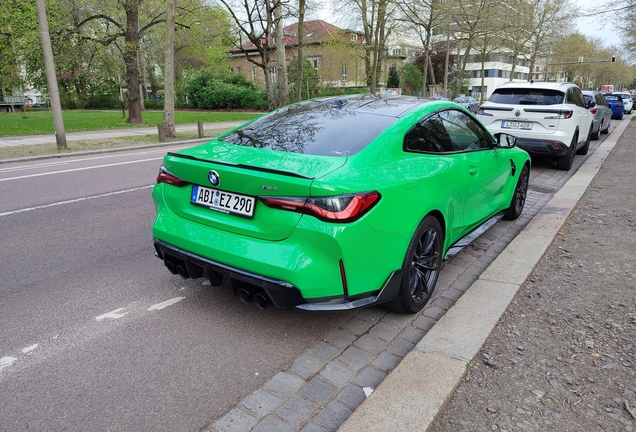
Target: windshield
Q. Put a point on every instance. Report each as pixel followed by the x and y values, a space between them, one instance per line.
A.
pixel 527 96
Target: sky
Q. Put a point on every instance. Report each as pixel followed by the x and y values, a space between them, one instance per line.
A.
pixel 602 26
pixel 598 26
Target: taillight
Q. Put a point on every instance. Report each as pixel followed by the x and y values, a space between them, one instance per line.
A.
pixel 593 110
pixel 166 176
pixel 340 208
pixel 563 114
pixel 483 112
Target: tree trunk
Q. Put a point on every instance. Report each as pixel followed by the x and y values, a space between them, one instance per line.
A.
pixel 131 48
pixel 301 63
pixel 168 103
pixel 281 69
pixel 51 77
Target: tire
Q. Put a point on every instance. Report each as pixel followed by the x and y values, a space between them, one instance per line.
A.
pixel 421 267
pixel 595 135
pixel 620 117
pixel 565 162
pixel 586 147
pixel 606 130
pixel 519 196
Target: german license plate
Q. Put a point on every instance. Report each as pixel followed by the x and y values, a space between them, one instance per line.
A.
pixel 516 125
pixel 224 202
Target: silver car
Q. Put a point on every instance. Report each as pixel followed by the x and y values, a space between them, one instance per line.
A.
pixel 467 102
pixel 602 113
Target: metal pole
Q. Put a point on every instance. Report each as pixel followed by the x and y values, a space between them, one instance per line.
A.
pixel 51 78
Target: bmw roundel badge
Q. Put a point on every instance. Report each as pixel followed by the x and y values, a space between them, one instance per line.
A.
pixel 214 178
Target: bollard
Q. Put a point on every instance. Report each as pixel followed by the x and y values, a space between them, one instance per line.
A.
pixel 200 126
pixel 162 135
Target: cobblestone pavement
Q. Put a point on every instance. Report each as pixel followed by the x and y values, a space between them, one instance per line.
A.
pixel 322 388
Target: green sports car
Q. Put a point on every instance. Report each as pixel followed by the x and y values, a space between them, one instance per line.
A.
pixel 337 203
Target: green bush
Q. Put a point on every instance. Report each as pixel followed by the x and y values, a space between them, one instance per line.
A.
pixel 209 90
pixel 152 103
pixel 102 101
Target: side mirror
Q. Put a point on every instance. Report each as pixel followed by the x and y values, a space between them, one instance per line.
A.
pixel 609 105
pixel 591 104
pixel 505 140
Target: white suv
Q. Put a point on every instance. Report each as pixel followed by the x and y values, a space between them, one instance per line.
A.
pixel 550 119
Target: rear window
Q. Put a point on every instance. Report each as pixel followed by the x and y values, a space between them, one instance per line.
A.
pixel 322 130
pixel 613 98
pixel 527 96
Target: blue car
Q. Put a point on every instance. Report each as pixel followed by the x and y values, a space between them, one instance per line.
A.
pixel 615 102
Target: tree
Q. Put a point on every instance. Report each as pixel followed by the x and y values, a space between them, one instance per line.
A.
pixel 310 84
pixel 168 105
pixel 130 28
pixel 424 17
pixel 394 78
pixel 550 18
pixel 411 78
pixel 466 16
pixel 300 60
pixel 60 136
pixel 256 24
pixel 375 19
pixel 281 64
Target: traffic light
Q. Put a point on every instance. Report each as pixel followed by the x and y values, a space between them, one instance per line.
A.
pixel 613 58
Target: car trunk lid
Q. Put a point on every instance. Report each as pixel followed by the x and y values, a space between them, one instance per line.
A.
pixel 236 176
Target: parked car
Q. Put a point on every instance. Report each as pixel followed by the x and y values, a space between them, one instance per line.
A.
pixel 337 203
pixel 601 112
pixel 550 119
pixel 615 102
pixel 468 102
pixel 627 101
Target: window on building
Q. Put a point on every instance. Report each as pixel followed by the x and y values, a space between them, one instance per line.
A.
pixel 273 74
pixel 314 63
pixel 354 37
pixel 344 72
pixel 253 74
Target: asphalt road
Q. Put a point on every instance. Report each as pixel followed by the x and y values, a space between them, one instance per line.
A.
pixel 95 334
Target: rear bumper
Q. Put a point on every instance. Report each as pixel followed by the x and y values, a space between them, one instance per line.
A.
pixel 541 147
pixel 281 294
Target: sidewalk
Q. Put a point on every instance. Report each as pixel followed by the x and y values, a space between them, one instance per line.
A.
pixel 15 141
pixel 540 373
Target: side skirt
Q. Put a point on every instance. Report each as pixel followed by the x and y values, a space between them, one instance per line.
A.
pixel 471 236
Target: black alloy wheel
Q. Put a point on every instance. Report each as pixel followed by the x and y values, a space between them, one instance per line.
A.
pixel 421 268
pixel 519 196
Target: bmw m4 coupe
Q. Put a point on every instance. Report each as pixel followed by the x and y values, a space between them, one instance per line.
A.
pixel 337 203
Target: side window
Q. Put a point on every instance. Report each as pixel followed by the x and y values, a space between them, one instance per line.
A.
pixel 576 97
pixel 464 132
pixel 600 100
pixel 428 135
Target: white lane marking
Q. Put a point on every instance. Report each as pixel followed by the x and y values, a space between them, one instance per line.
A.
pixel 25 167
pixel 76 200
pixel 165 304
pixel 67 162
pixel 113 314
pixel 6 361
pixel 29 349
pixel 80 169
